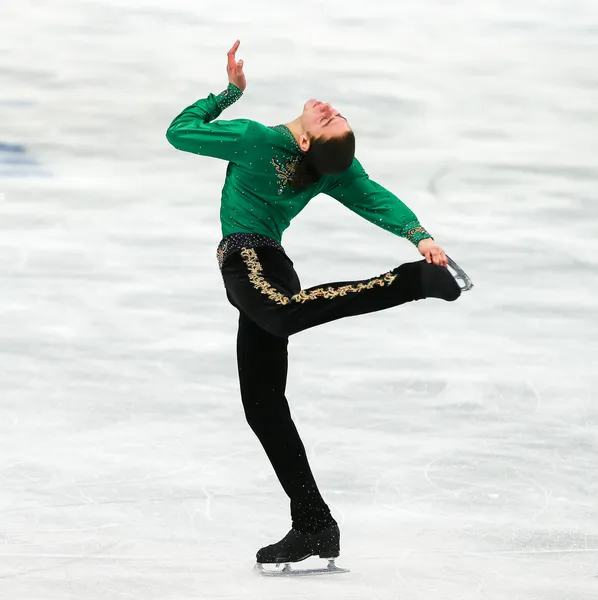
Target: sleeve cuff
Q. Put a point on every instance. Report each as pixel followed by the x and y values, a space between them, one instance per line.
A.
pixel 229 96
pixel 415 233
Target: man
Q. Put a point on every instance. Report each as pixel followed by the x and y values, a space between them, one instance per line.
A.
pixel 273 172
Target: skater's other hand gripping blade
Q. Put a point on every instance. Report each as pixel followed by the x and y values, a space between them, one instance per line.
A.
pixel 287 570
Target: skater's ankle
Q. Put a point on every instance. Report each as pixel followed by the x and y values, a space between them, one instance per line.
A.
pixel 315 527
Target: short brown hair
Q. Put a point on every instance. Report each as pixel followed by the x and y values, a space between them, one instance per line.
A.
pixel 325 157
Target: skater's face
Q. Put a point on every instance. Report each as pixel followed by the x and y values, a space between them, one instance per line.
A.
pixel 320 120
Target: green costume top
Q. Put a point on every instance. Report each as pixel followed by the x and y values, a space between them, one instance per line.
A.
pixel 257 197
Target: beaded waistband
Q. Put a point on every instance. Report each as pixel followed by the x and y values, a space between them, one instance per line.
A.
pixel 237 241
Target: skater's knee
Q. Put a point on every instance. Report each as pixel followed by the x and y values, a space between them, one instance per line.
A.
pixel 253 420
pixel 266 419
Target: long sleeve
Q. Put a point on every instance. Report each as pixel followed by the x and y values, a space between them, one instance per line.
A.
pixel 196 130
pixel 373 202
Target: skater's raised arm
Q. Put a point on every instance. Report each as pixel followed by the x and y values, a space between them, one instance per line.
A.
pixel 196 130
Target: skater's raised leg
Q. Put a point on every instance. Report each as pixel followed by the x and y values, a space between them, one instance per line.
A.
pixel 255 282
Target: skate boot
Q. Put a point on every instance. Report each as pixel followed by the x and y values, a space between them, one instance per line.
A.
pixel 433 281
pixel 297 546
pixel 437 282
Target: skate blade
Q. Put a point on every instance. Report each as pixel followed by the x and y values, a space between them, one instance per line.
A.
pixel 287 570
pixel 462 278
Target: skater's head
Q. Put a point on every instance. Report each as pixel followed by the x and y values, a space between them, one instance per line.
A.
pixel 320 121
pixel 327 142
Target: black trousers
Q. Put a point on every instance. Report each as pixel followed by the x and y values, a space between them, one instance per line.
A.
pixel 263 285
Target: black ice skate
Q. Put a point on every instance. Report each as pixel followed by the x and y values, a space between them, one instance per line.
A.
pixel 433 281
pixel 297 546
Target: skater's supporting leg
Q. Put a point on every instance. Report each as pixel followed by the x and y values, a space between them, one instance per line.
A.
pixel 263 364
pixel 254 279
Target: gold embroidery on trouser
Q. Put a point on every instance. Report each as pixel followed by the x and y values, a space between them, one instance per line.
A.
pixel 330 292
pixel 259 283
pixel 255 276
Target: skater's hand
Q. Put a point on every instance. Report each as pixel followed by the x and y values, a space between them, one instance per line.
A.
pixel 433 252
pixel 234 68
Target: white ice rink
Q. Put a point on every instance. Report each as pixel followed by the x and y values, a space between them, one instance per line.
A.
pixel 457 444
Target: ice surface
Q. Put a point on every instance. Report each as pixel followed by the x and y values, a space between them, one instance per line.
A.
pixel 457 444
